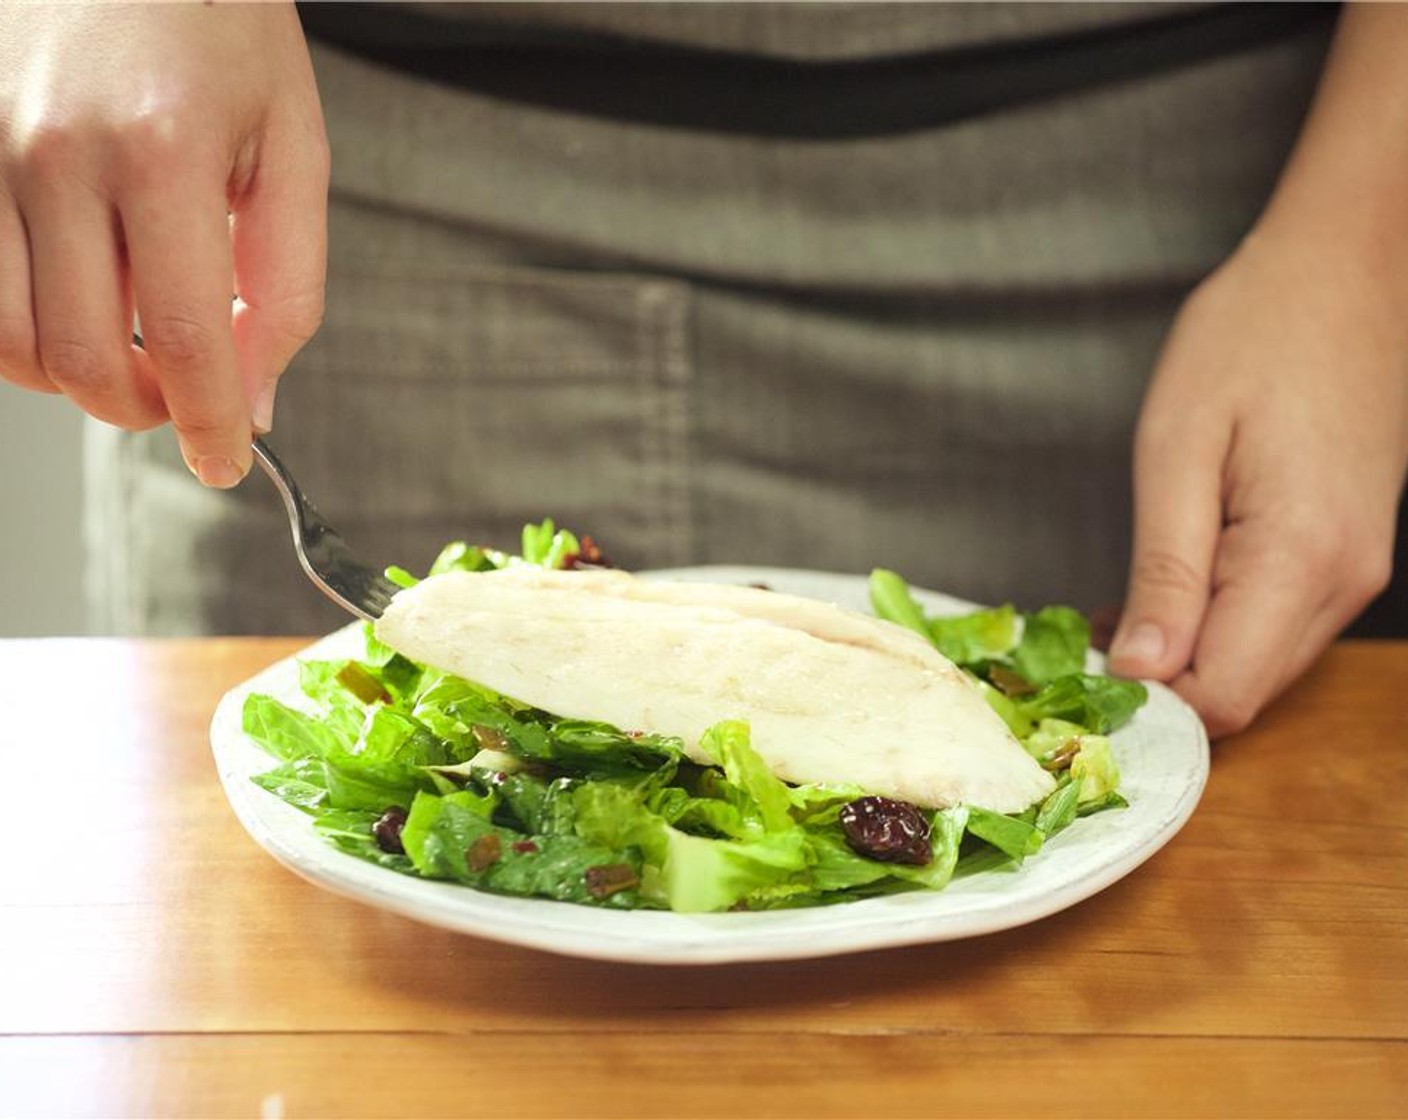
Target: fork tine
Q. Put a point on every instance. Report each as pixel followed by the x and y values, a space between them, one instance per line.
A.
pixel 326 558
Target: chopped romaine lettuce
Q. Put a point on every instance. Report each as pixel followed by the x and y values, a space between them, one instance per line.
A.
pixel 1054 643
pixel 1037 676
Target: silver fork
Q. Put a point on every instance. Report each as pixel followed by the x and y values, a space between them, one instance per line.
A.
pixel 325 556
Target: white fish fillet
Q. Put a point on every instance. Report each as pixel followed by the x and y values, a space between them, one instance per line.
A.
pixel 831 695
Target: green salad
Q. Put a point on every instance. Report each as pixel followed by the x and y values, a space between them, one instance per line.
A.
pixel 430 775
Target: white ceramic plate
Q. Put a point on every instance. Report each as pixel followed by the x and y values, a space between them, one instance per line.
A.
pixel 1163 755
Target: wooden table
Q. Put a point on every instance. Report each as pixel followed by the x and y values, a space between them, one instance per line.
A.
pixel 157 962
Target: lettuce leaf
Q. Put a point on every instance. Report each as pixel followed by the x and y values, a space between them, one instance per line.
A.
pixel 1040 675
pixel 763 793
pixel 453 837
pixel 1054 643
pixel 1098 704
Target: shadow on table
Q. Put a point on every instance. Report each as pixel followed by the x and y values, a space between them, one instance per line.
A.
pixel 1387 615
pixel 1140 940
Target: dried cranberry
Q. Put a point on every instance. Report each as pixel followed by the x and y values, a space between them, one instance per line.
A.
pixel 489 738
pixel 484 852
pixel 608 878
pixel 387 830
pixel 524 847
pixel 588 555
pixel 1010 683
pixel 1060 758
pixel 885 829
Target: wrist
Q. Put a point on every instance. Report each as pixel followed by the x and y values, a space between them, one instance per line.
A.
pixel 1340 196
pixel 1356 237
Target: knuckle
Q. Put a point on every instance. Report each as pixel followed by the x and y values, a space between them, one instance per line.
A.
pixel 1323 551
pixel 1314 556
pixel 26 376
pixel 1228 713
pixel 48 148
pixel 200 426
pixel 179 343
pixel 142 147
pixel 300 316
pixel 308 317
pixel 1332 551
pixel 17 344
pixel 1164 571
pixel 1317 532
pixel 154 139
pixel 74 361
pixel 1370 574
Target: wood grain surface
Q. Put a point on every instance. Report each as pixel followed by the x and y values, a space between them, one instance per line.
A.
pixel 158 963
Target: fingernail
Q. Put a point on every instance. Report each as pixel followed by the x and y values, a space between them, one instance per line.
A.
pixel 263 415
pixel 1144 643
pixel 218 471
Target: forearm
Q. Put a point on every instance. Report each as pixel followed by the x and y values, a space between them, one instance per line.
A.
pixel 1345 188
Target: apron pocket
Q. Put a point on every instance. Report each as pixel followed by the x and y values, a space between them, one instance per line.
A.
pixel 464 403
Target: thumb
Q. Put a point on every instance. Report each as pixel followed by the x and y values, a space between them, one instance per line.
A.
pixel 1177 519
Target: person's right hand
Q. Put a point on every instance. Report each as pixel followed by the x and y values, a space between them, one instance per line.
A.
pixel 160 160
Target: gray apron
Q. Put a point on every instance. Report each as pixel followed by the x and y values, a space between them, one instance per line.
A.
pixel 922 351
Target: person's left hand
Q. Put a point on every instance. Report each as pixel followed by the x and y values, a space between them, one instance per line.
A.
pixel 1269 460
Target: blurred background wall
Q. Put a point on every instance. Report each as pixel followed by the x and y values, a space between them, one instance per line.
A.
pixel 41 580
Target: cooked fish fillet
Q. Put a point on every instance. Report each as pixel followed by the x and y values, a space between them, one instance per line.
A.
pixel 831 695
